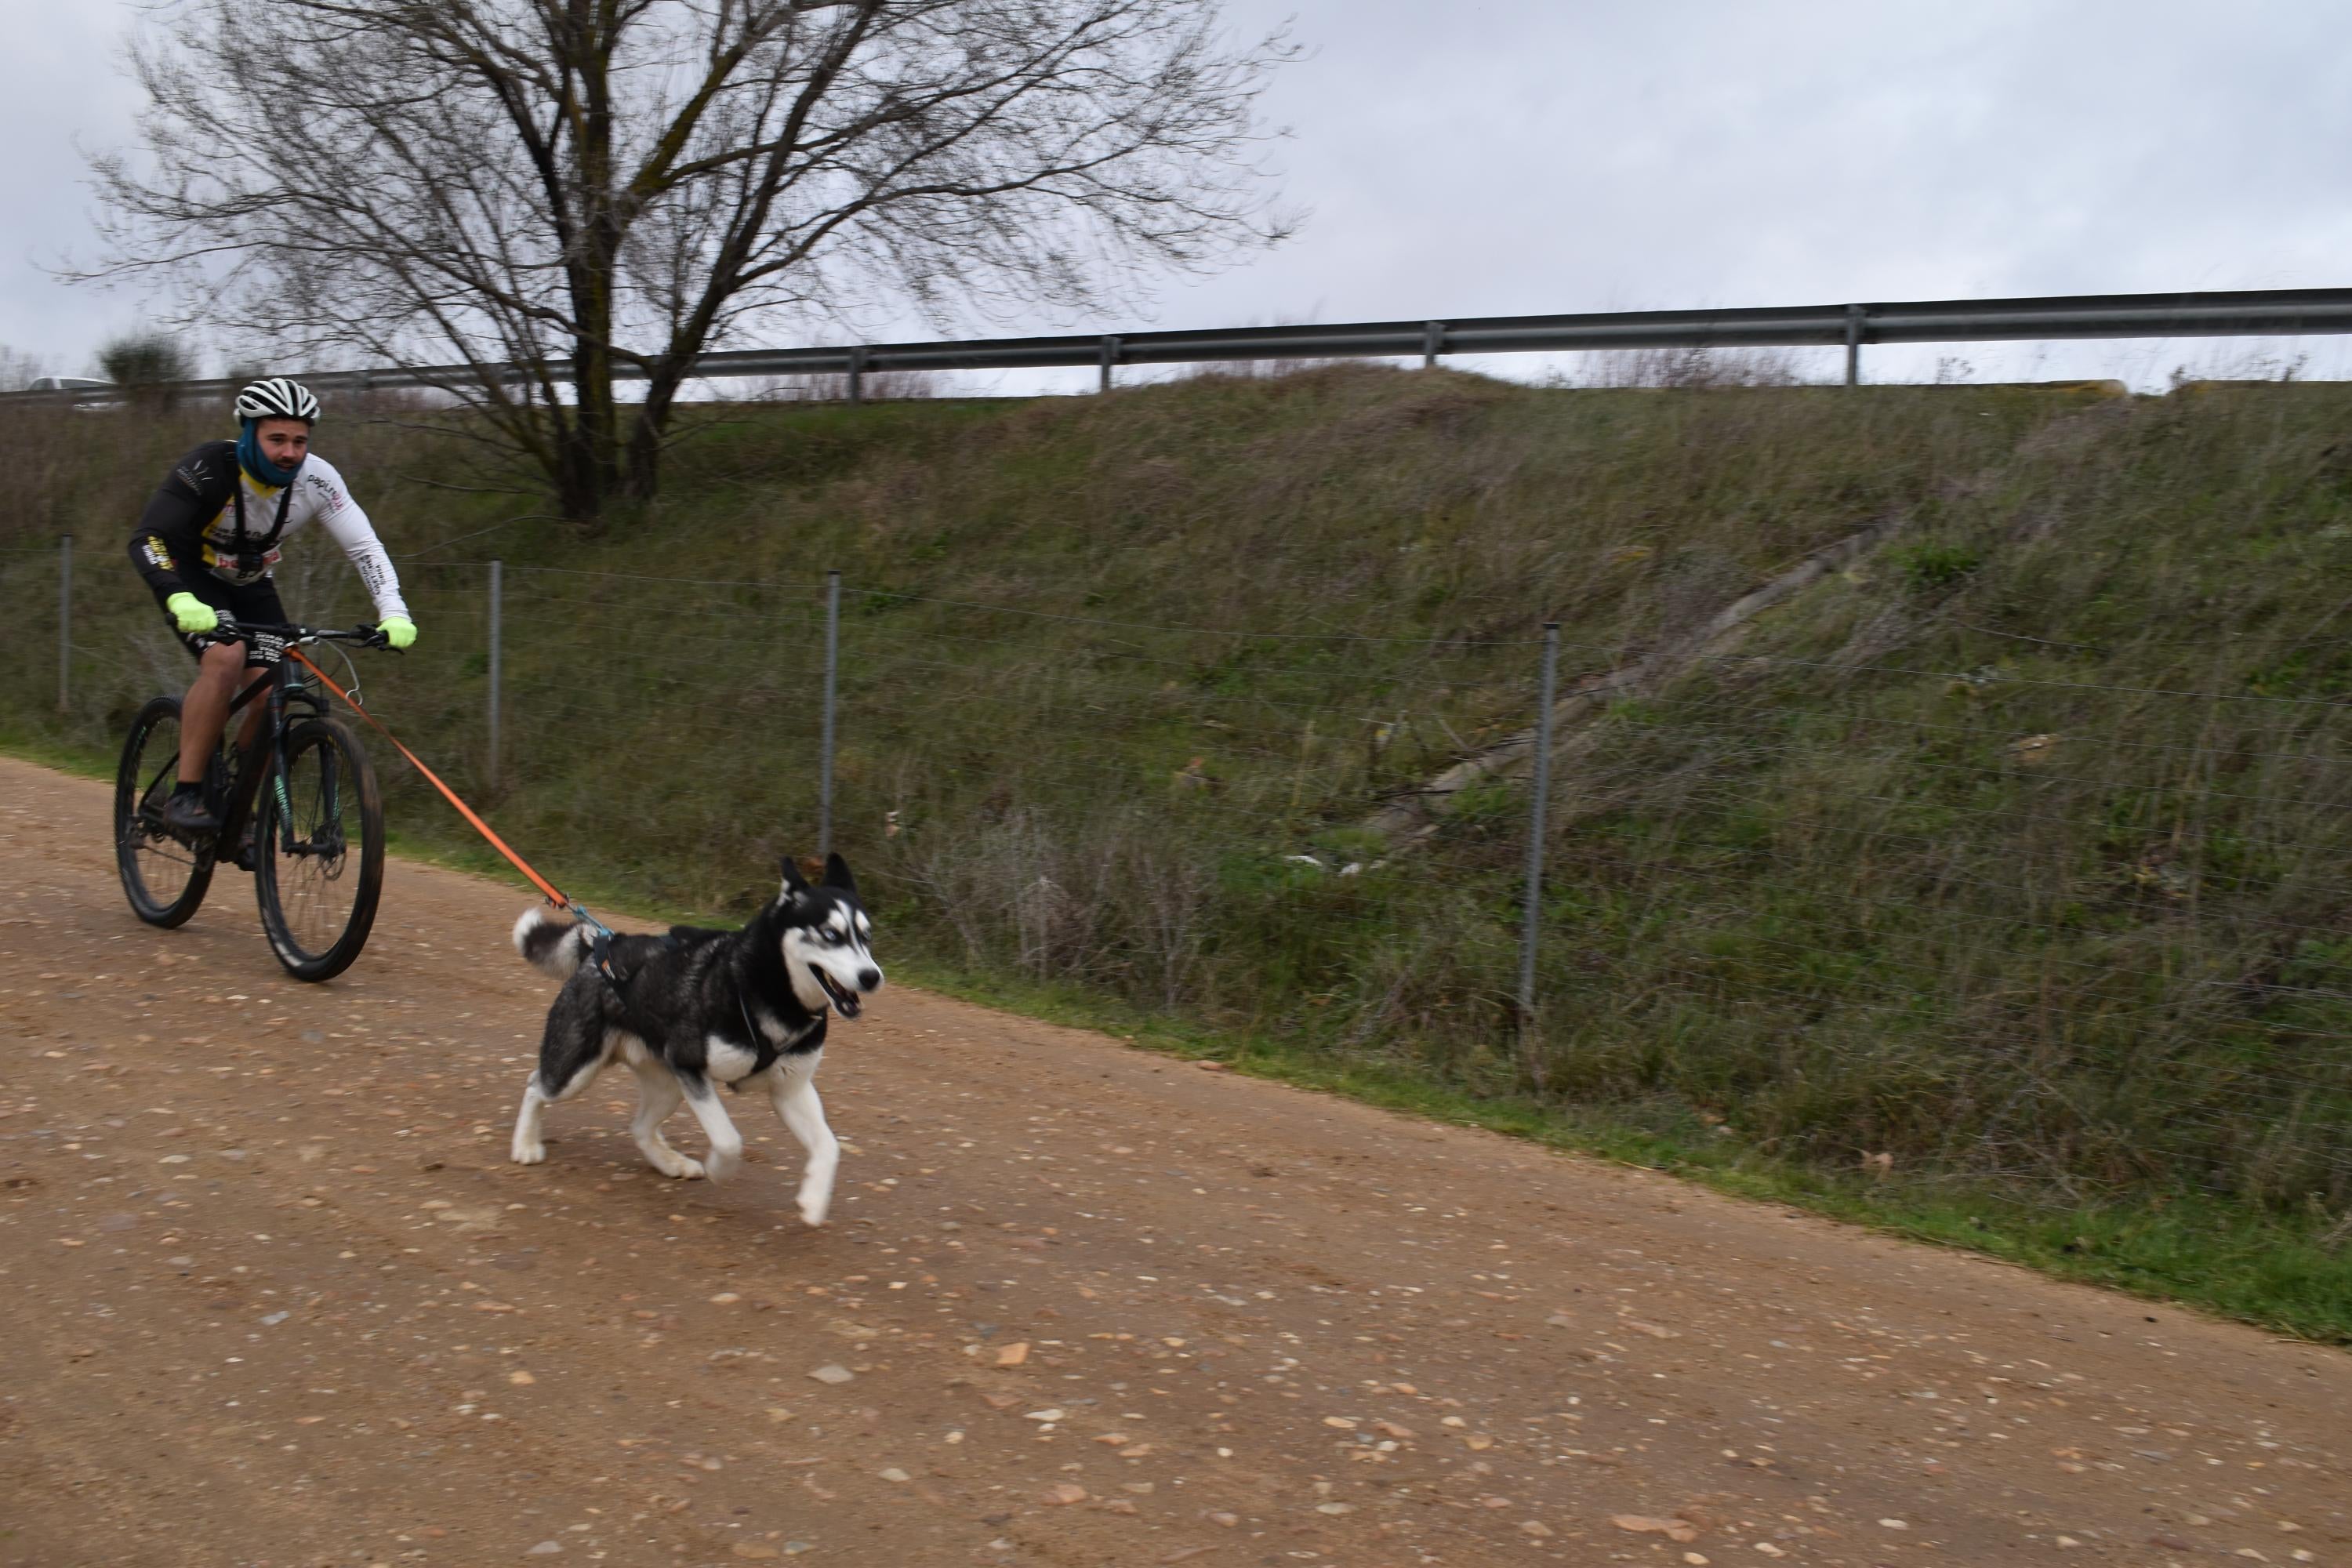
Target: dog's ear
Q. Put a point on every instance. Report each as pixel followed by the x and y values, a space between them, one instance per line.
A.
pixel 794 883
pixel 836 874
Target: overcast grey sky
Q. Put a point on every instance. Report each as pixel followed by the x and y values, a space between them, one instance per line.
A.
pixel 1517 156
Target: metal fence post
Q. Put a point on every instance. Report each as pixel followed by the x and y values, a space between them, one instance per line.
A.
pixel 64 623
pixel 498 596
pixel 825 746
pixel 1538 805
pixel 1433 340
pixel 858 374
pixel 1854 314
pixel 1109 358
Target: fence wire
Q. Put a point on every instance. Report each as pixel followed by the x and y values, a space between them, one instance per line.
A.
pixel 1975 917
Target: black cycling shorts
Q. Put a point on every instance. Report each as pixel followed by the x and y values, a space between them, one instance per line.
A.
pixel 256 602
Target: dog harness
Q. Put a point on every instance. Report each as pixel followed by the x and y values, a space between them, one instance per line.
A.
pixel 600 950
pixel 765 1052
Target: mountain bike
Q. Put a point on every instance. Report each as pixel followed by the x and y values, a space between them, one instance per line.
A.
pixel 298 806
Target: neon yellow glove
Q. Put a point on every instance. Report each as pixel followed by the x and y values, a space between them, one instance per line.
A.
pixel 191 615
pixel 398 630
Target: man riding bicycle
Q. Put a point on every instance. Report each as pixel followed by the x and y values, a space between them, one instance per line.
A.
pixel 207 543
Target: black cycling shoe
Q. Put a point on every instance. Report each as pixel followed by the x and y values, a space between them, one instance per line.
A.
pixel 186 812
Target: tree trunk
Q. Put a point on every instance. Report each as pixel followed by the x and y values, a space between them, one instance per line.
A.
pixel 644 452
pixel 578 494
pixel 592 447
pixel 594 467
pixel 596 414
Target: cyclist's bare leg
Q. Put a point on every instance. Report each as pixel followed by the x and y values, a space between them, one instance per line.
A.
pixel 203 712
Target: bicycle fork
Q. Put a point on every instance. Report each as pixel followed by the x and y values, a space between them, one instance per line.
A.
pixel 326 838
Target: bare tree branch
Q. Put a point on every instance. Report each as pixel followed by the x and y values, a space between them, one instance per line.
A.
pixel 573 188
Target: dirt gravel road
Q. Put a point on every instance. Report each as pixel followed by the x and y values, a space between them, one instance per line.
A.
pixel 271 1294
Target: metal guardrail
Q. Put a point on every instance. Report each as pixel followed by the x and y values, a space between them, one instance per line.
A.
pixel 2281 312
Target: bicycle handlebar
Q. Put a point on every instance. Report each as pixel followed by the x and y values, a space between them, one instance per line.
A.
pixel 231 630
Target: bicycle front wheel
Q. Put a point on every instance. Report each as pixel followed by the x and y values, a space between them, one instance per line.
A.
pixel 318 851
pixel 164 875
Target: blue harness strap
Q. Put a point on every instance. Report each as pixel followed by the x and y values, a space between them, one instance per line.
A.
pixel 600 945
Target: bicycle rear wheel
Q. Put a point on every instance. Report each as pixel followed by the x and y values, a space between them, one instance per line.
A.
pixel 318 851
pixel 164 875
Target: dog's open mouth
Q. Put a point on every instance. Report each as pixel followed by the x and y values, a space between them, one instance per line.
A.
pixel 845 1001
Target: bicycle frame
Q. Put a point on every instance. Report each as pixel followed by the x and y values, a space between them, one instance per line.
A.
pixel 264 756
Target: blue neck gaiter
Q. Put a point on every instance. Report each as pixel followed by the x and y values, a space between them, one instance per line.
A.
pixel 249 457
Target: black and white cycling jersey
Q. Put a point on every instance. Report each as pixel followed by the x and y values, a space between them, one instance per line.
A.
pixel 192 525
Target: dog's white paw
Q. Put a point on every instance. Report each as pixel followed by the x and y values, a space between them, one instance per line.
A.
pixel 718 1164
pixel 677 1167
pixel 814 1205
pixel 529 1154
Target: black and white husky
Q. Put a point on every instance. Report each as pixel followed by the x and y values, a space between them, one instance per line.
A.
pixel 746 1008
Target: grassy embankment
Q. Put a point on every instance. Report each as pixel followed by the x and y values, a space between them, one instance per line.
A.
pixel 1986 890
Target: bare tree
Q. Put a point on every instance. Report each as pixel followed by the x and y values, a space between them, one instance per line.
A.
pixel 594 190
pixel 18 370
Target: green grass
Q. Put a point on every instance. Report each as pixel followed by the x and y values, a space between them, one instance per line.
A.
pixel 2279 1271
pixel 2008 853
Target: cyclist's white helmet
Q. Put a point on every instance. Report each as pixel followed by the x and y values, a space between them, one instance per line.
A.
pixel 278 398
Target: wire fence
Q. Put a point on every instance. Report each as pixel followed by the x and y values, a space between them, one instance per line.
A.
pixel 1962 916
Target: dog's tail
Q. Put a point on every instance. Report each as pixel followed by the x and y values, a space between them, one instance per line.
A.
pixel 557 946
